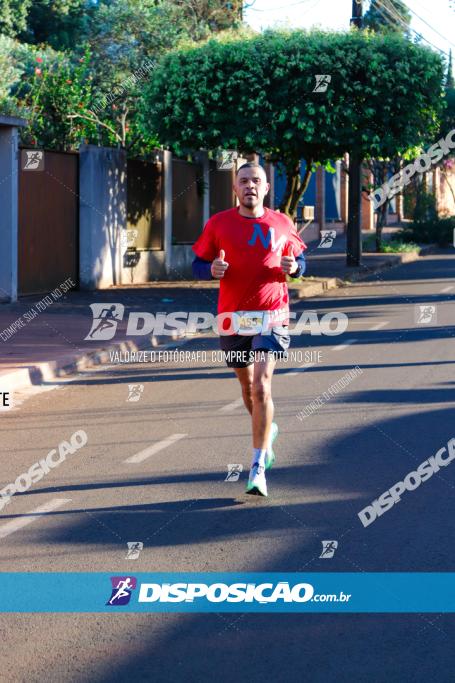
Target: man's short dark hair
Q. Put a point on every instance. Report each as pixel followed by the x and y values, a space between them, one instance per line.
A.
pixel 249 164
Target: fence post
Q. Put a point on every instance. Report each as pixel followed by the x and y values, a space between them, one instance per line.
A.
pixel 320 198
pixel 270 173
pixel 9 202
pixel 167 210
pixel 202 158
pixel 102 215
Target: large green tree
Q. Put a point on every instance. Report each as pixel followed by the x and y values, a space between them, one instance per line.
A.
pixel 215 15
pixel 61 24
pixel 13 16
pixel 77 67
pixel 258 93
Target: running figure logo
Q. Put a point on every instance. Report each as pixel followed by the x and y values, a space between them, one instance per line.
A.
pixel 328 549
pixel 127 237
pixel 134 550
pixel 425 314
pixel 327 238
pixel 32 160
pixel 105 320
pixel 122 587
pixel 225 159
pixel 135 392
pixel 234 472
pixel 322 82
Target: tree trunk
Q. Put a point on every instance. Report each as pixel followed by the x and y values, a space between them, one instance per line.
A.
pixel 292 178
pixel 295 188
pixel 382 213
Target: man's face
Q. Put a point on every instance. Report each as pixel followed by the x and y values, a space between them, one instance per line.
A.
pixel 251 186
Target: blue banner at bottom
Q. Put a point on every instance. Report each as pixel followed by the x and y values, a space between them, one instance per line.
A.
pixel 227 592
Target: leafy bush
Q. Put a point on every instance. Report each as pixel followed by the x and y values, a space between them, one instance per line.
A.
pixel 15 60
pixel 434 231
pixel 426 227
pixel 393 246
pixel 44 86
pixel 425 207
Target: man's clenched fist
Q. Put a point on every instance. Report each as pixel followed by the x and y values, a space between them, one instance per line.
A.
pixel 219 266
pixel 288 262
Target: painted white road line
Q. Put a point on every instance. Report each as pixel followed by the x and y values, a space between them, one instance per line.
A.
pixel 151 450
pixel 231 406
pixel 300 369
pixel 24 520
pixel 347 343
pixel 447 289
pixel 378 326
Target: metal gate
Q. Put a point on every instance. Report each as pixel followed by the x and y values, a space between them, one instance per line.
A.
pixel 48 249
pixel 188 191
pixel 222 195
pixel 145 205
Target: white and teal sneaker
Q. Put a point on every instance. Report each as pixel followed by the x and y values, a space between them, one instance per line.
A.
pixel 257 485
pixel 270 456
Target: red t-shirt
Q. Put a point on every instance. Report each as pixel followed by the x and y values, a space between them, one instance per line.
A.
pixel 253 248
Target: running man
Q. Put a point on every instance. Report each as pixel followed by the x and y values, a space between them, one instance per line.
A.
pixel 123 589
pixel 251 249
pixel 106 319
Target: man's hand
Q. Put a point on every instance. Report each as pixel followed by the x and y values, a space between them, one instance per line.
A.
pixel 219 266
pixel 288 263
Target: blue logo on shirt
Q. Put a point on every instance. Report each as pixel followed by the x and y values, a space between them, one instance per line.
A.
pixel 266 240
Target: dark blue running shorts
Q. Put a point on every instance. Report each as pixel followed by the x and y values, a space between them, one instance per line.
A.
pixel 239 349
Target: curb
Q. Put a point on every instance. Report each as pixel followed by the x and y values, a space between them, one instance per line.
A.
pixel 314 288
pixel 394 261
pixel 68 365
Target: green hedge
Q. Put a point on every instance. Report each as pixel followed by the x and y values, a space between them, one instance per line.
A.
pixel 436 230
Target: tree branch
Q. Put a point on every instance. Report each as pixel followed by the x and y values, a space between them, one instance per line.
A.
pixel 97 121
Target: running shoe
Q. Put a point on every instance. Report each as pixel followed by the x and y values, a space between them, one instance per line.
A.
pixel 270 455
pixel 257 485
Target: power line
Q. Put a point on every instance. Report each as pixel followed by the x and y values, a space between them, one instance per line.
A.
pixel 398 18
pixel 429 25
pixel 393 12
pixel 390 18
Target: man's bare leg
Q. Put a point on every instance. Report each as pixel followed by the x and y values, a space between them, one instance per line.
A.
pixel 262 401
pixel 256 383
pixel 245 377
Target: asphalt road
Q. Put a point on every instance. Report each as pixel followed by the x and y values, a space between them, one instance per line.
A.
pixel 174 498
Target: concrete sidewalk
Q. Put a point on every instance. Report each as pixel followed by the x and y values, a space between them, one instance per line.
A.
pixel 331 262
pixel 52 343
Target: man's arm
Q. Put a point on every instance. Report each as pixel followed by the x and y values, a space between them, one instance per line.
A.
pixel 301 263
pixel 202 269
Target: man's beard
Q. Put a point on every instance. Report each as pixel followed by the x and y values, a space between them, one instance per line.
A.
pixel 250 201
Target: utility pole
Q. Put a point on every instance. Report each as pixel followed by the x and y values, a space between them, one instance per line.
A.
pixel 354 232
pixel 357 13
